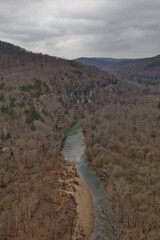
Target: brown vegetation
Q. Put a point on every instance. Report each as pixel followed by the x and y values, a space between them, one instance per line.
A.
pixel 40 98
pixel 146 71
pixel 123 140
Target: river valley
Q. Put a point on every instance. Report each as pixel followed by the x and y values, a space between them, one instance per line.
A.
pixel 74 150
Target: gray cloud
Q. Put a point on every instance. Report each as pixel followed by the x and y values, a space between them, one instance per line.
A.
pixel 73 28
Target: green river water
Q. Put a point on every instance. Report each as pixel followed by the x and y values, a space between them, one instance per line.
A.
pixel 74 150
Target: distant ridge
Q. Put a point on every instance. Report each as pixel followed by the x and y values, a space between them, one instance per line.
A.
pixel 108 59
pixel 146 70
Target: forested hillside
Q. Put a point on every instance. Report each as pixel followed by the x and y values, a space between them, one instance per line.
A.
pixel 123 140
pixel 146 71
pixel 40 98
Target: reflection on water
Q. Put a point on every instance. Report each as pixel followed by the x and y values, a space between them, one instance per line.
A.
pixel 73 150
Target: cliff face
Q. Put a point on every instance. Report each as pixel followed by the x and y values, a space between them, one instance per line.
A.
pixel 40 98
pixel 88 95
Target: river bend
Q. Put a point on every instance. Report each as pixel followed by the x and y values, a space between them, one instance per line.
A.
pixel 74 150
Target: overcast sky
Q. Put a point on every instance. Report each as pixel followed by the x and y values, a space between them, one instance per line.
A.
pixel 75 28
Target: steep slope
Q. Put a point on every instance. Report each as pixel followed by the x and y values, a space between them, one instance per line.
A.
pixel 40 98
pixel 123 140
pixel 64 77
pixel 108 64
pixel 145 70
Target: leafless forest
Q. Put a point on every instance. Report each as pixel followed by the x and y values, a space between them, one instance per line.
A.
pixel 40 98
pixel 123 140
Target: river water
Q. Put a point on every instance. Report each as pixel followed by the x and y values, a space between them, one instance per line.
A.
pixel 74 150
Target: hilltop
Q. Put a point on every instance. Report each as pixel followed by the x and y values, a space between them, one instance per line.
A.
pixel 146 70
pixel 40 98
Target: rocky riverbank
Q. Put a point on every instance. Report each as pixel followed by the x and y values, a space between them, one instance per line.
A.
pixel 83 225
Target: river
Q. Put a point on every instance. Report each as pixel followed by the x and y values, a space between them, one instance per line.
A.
pixel 74 150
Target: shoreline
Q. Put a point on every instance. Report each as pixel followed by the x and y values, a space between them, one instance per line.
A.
pixel 85 212
pixel 84 220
